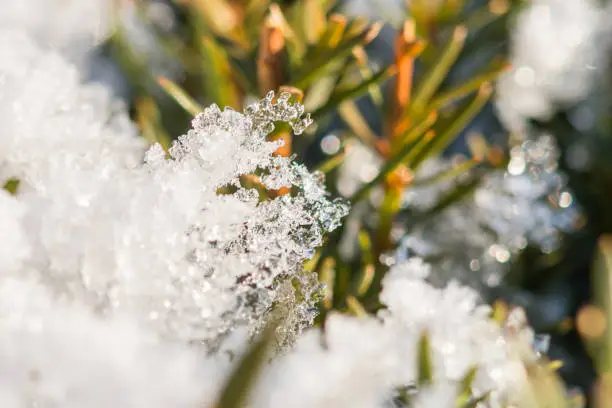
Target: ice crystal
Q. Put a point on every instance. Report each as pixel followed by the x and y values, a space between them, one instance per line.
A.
pixel 474 239
pixel 59 354
pixel 527 203
pixel 461 334
pixel 70 26
pixel 82 124
pixel 556 51
pixel 76 29
pixel 363 362
pixel 160 240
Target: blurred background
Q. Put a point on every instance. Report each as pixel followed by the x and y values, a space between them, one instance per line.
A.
pixel 473 133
